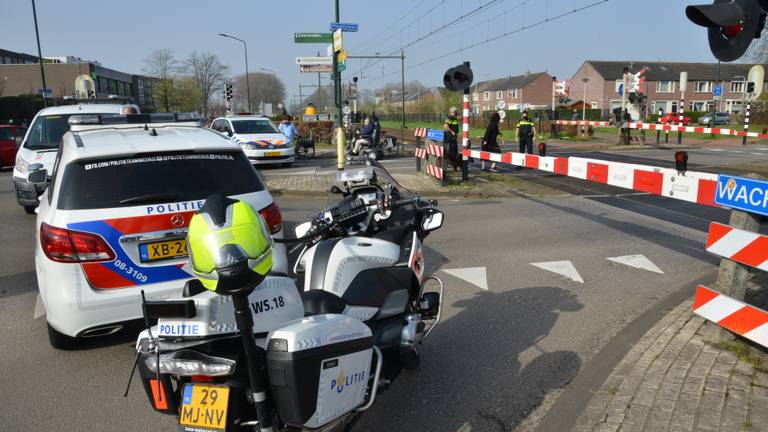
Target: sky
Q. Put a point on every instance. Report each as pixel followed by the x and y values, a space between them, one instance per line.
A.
pixel 120 35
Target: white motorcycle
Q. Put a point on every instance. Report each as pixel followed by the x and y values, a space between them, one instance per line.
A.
pixel 320 356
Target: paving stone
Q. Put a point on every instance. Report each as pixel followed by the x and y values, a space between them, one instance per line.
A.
pixel 659 417
pixel 693 385
pixel 676 373
pixel 590 417
pixel 618 404
pixel 740 382
pixel 601 400
pixel 702 365
pixel 744 369
pixel 668 391
pixel 711 402
pixel 636 414
pixel 716 383
pixel 761 379
pixel 644 396
pixel 722 369
pixel 733 418
pixel 687 404
pixel 612 423
pixel 682 422
pixel 727 357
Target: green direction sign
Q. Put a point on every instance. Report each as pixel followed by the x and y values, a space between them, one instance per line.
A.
pixel 312 37
pixel 341 66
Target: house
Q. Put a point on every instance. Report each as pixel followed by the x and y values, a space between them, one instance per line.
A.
pixel 597 82
pixel 532 90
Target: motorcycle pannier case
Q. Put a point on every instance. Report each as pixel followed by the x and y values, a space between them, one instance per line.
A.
pixel 319 368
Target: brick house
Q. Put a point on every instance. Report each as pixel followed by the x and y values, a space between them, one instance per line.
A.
pixel 661 86
pixel 532 90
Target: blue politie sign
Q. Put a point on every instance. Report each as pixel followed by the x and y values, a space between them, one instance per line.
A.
pixel 718 90
pixel 742 194
pixel 347 27
pixel 435 134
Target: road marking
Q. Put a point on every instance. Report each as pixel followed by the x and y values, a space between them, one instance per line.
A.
pixel 474 275
pixel 717 149
pixel 563 268
pixel 39 308
pixel 637 261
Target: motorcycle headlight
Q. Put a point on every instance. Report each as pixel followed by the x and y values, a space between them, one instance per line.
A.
pixel 188 363
pixel 22 165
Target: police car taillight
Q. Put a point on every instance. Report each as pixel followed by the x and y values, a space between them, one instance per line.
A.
pixel 63 245
pixel 272 217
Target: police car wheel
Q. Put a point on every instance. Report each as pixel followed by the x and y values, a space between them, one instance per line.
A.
pixel 60 340
pixel 30 209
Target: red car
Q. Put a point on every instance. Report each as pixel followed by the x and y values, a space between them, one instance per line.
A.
pixel 10 139
pixel 674 118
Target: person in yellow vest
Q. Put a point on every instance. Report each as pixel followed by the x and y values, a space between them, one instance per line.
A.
pixel 451 127
pixel 525 133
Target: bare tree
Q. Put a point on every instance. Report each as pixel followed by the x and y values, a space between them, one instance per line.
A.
pixel 209 74
pixel 265 88
pixel 162 64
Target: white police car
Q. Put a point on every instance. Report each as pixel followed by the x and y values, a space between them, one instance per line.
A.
pixel 41 143
pixel 260 140
pixel 113 218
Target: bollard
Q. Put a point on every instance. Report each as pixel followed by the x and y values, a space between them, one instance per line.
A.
pixel 642 136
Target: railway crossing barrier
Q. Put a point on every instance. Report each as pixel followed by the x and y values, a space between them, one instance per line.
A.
pixel 431 149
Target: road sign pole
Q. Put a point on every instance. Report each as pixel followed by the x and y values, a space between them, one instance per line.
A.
pixel 746 123
pixel 39 53
pixel 340 144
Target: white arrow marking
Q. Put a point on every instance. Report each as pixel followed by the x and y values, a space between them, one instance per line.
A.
pixel 637 261
pixel 39 308
pixel 474 275
pixel 563 268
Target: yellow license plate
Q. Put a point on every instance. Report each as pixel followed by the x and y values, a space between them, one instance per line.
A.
pixel 204 407
pixel 161 250
pixel 269 154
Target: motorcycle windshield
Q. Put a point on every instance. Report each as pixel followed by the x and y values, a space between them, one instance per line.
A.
pixel 369 170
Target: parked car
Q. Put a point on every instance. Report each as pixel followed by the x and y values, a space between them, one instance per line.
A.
pixel 10 139
pixel 114 213
pixel 260 140
pixel 715 118
pixel 674 118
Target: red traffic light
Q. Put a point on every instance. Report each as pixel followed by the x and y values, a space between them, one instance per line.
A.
pixel 681 162
pixel 458 78
pixel 731 25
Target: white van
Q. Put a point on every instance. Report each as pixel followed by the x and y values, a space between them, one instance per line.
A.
pixel 41 144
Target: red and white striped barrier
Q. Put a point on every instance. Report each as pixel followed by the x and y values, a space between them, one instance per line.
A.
pixel 421 153
pixel 435 171
pixel 429 148
pixel 695 129
pixel 583 123
pixel 696 187
pixel 420 132
pixel 745 247
pixel 745 320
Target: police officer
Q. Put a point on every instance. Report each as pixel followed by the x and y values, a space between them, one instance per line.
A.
pixel 525 133
pixel 451 127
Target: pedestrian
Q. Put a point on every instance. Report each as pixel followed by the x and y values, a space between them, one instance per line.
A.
pixel 451 127
pixel 525 133
pixel 575 115
pixel 490 143
pixel 288 129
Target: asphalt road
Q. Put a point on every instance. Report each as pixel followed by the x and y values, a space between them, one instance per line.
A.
pixel 500 352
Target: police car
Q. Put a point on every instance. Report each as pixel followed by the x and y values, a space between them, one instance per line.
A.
pixel 261 141
pixel 41 143
pixel 113 218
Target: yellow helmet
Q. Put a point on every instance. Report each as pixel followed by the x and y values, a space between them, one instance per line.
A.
pixel 229 246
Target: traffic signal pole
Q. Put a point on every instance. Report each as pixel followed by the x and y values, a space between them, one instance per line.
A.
pixel 340 138
pixel 39 54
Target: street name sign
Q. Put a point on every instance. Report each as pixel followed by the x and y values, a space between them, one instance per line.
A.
pixel 742 194
pixel 312 37
pixel 347 27
pixel 316 68
pixel 435 135
pixel 314 60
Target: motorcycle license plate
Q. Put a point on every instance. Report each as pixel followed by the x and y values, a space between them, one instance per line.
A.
pixel 204 407
pixel 270 154
pixel 161 250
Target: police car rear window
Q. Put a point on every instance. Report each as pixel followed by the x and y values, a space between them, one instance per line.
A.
pixel 155 178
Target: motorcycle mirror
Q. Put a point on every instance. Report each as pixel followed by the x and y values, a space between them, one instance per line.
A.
pixel 432 221
pixel 336 190
pixel 302 229
pixel 39 175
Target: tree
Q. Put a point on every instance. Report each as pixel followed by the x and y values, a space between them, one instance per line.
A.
pixel 209 74
pixel 186 94
pixel 265 88
pixel 162 64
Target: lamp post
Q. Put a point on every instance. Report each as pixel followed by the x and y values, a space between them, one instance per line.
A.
pixel 274 105
pixel 39 54
pixel 247 78
pixel 584 105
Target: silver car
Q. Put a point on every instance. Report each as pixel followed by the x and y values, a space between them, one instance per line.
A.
pixel 715 118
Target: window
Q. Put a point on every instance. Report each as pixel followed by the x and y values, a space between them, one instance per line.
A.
pixel 5 134
pixel 702 87
pixel 733 106
pixel 487 96
pixel 475 97
pixel 254 127
pixel 738 86
pixel 665 87
pixel 699 105
pixel 111 182
pixel 513 93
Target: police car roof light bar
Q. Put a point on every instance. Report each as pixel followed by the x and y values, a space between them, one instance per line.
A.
pixel 114 119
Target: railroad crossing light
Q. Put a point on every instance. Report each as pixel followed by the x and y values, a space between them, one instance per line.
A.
pixel 542 149
pixel 750 87
pixel 681 162
pixel 458 78
pixel 731 25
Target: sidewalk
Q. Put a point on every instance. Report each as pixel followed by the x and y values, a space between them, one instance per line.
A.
pixel 674 380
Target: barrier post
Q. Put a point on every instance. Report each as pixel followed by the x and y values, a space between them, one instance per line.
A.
pixel 746 124
pixel 642 136
pixel 444 165
pixel 465 137
pixel 658 129
pixel 418 159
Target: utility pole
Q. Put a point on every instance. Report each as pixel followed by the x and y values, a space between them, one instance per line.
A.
pixel 340 144
pixel 39 54
pixel 402 87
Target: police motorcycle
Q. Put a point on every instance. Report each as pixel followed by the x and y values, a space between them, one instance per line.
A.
pixel 243 350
